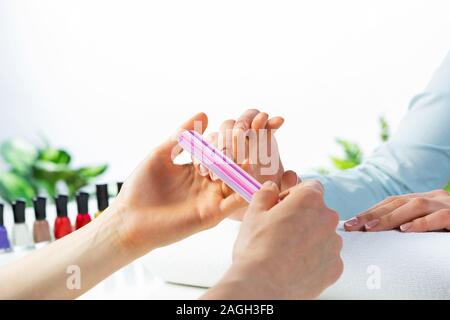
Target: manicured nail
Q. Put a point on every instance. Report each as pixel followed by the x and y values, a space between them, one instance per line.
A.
pixel 372 224
pixel 406 226
pixel 203 171
pixel 268 184
pixel 214 177
pixel 352 222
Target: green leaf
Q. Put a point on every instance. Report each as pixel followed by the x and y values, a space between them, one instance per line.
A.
pixel 352 151
pixel 343 164
pixel 19 154
pixel 384 129
pixel 53 155
pixel 13 187
pixel 92 172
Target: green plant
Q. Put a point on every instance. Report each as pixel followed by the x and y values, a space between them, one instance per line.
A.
pixel 448 187
pixel 352 155
pixel 31 170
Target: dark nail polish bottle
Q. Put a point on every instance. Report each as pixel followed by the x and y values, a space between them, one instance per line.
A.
pixel 83 217
pixel 102 198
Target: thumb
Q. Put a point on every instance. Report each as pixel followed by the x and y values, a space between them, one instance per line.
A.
pixel 170 147
pixel 265 198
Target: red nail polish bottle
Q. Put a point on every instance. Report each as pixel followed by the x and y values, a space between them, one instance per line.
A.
pixel 62 223
pixel 83 217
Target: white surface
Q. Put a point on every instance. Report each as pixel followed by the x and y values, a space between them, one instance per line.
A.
pixel 383 265
pixel 111 79
pixel 132 282
pixel 410 266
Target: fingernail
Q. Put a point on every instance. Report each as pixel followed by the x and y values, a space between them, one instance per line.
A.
pixel 352 222
pixel 372 224
pixel 406 226
pixel 214 177
pixel 268 184
pixel 203 171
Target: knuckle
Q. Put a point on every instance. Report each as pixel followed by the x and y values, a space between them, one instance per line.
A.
pixel 336 270
pixel 339 243
pixel 390 198
pixel 399 202
pixel 419 203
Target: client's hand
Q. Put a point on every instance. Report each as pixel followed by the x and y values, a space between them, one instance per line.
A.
pixel 162 202
pixel 416 212
pixel 250 142
pixel 284 250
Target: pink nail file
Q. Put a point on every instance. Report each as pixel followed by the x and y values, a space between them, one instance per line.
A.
pixel 218 163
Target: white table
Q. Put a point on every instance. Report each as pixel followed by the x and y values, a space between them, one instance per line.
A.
pixel 131 282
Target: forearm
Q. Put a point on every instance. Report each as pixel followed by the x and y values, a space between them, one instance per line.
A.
pixel 89 255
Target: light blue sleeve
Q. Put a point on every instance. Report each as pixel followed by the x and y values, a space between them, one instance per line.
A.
pixel 415 159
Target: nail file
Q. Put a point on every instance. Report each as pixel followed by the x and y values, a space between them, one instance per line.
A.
pixel 218 163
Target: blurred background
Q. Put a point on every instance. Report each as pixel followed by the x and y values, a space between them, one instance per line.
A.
pixel 109 80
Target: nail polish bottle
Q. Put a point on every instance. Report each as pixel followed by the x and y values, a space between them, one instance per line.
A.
pixel 41 228
pixel 83 217
pixel 102 198
pixel 21 236
pixel 119 186
pixel 62 223
pixel 5 245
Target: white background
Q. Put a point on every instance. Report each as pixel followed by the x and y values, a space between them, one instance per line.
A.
pixel 111 79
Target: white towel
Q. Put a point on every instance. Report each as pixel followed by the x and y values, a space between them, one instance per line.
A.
pixel 382 265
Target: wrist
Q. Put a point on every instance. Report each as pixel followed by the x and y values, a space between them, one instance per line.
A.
pixel 126 235
pixel 244 281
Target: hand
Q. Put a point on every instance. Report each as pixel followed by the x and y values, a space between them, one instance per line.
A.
pixel 161 202
pixel 258 154
pixel 416 212
pixel 285 250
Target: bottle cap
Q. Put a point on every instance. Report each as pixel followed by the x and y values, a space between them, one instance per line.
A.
pixel 1 214
pixel 61 205
pixel 102 197
pixel 19 211
pixel 83 202
pixel 40 208
pixel 119 186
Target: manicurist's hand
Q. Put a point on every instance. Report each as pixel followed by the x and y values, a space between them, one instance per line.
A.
pixel 417 212
pixel 284 250
pixel 162 202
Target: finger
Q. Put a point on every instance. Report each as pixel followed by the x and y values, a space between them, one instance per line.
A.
pixel 438 220
pixel 260 121
pixel 212 139
pixel 232 204
pixel 240 129
pixel 275 123
pixel 265 198
pixel 413 209
pixel 288 180
pixel 393 198
pixel 170 147
pixel 358 223
pixel 225 139
pixel 313 184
